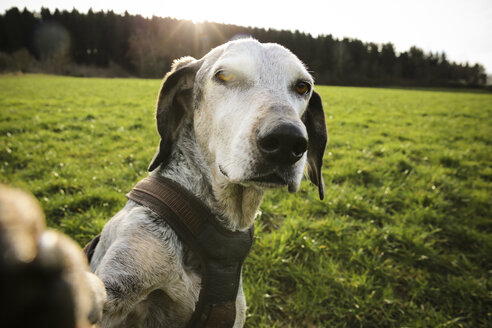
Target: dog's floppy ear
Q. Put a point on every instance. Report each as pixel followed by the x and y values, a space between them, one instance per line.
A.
pixel 314 120
pixel 174 103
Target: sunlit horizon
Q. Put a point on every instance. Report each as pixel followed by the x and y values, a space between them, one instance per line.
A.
pixel 462 30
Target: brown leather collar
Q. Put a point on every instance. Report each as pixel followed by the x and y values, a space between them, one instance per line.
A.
pixel 190 210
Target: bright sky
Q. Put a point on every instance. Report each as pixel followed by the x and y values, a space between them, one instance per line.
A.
pixel 461 28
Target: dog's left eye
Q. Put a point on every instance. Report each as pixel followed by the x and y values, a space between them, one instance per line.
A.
pixel 224 76
pixel 302 88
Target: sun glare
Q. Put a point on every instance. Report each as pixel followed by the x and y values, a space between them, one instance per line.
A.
pixel 195 11
pixel 228 12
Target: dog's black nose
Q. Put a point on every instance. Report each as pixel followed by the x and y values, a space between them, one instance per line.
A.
pixel 283 145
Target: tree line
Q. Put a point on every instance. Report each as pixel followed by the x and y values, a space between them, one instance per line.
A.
pixel 67 42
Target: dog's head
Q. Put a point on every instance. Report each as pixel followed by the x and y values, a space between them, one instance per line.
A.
pixel 256 116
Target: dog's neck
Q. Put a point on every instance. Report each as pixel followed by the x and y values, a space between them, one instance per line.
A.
pixel 235 205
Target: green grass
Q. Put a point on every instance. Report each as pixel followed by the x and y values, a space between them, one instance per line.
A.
pixel 402 239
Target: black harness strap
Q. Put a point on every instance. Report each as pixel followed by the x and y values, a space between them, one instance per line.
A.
pixel 91 247
pixel 221 251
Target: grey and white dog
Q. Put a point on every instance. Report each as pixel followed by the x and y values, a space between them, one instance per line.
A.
pixel 240 120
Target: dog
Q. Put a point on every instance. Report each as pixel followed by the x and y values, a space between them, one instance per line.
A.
pixel 242 119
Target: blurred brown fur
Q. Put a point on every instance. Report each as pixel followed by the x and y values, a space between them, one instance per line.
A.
pixel 44 275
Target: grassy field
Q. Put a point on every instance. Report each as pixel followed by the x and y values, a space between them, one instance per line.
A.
pixel 402 239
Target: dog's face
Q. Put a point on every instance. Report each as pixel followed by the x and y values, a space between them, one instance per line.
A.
pixel 248 93
pixel 256 117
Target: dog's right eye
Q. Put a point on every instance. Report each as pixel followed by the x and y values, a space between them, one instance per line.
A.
pixel 224 76
pixel 302 88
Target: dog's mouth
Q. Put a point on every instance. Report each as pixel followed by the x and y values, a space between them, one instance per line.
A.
pixel 268 180
pixel 224 173
pixel 273 179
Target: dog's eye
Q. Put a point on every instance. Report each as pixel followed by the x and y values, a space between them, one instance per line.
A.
pixel 302 88
pixel 224 76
